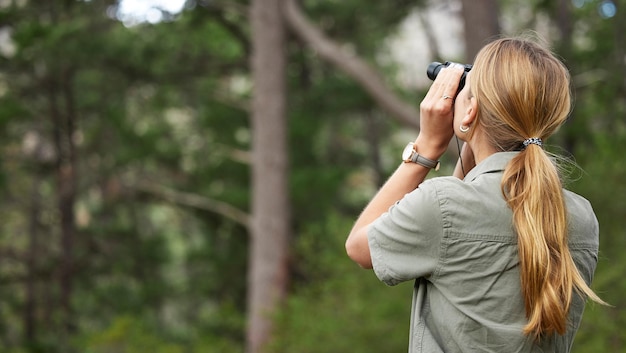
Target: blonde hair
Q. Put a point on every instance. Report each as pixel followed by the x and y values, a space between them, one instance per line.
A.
pixel 523 91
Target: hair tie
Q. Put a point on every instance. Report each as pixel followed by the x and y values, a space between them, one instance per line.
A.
pixel 533 141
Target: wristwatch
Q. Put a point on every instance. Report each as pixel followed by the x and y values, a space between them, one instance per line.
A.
pixel 410 155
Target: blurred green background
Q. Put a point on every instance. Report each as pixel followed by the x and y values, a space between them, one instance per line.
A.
pixel 125 171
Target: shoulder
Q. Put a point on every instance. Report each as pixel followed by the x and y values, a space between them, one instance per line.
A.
pixel 440 191
pixel 577 203
pixel 583 223
pixel 432 190
pixel 443 186
pixel 481 192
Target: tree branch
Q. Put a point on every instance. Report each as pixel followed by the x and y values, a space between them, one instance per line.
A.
pixel 195 201
pixel 352 65
pixel 430 36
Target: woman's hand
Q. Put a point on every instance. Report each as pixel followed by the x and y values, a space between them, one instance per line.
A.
pixel 436 113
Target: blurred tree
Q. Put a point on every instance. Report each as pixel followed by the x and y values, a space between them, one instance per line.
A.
pixel 268 264
pixel 481 23
pixel 130 110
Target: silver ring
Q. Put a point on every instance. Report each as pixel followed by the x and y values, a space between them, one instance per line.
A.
pixel 445 96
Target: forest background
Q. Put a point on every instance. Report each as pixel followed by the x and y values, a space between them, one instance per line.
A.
pixel 185 181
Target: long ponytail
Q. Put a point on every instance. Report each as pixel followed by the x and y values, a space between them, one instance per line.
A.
pixel 531 101
pixel 533 191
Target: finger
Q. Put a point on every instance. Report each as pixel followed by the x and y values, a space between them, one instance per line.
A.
pixel 446 82
pixel 449 81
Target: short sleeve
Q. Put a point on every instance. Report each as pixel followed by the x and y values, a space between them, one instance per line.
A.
pixel 405 241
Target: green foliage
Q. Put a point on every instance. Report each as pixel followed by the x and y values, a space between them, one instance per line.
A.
pixel 601 329
pixel 130 335
pixel 340 307
pixel 144 103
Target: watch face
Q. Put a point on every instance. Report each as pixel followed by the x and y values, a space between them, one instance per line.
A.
pixel 408 150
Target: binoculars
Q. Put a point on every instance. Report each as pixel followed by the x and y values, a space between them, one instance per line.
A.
pixel 435 67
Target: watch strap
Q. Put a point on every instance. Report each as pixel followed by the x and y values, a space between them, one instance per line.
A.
pixel 416 158
pixel 423 161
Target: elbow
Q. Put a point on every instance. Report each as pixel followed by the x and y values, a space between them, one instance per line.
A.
pixel 350 249
pixel 357 249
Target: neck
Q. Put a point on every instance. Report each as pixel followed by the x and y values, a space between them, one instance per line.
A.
pixel 480 147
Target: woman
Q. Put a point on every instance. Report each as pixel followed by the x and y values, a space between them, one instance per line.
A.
pixel 501 255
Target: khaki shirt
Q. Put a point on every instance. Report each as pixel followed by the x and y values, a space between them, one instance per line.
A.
pixel 455 238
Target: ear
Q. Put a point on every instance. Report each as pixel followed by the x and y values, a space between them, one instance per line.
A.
pixel 470 113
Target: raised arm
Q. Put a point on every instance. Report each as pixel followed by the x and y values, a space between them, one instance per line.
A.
pixel 436 117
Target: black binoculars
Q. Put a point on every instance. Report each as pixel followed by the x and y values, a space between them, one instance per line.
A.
pixel 435 67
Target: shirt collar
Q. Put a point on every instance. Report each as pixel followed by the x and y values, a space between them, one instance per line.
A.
pixel 492 164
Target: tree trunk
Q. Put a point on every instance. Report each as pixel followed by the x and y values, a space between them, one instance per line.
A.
pixel 68 180
pixel 481 24
pixel 30 304
pixel 268 265
pixel 62 112
pixel 564 22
